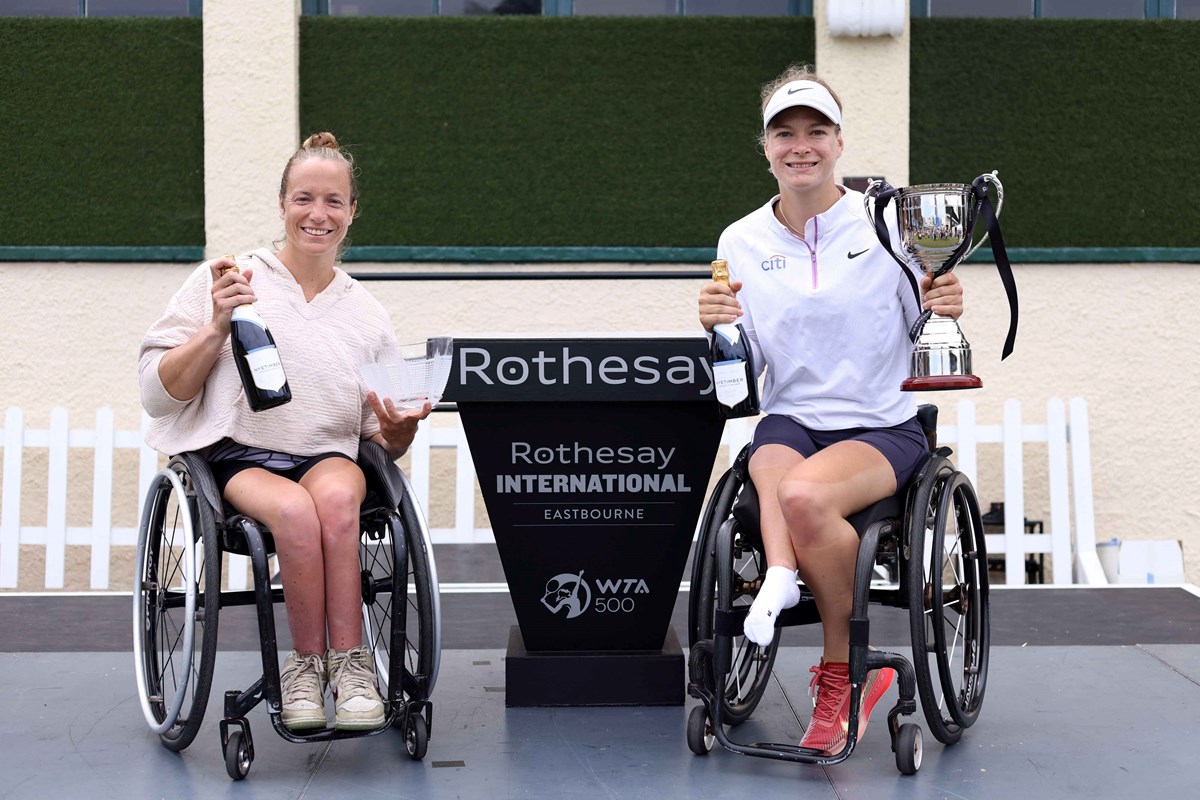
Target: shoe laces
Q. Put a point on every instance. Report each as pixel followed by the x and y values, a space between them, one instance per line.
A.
pixel 827 689
pixel 301 677
pixel 354 673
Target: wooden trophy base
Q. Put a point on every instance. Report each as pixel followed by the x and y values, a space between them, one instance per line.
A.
pixel 937 383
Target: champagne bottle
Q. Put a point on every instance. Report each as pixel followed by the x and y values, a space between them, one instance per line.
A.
pixel 734 376
pixel 257 358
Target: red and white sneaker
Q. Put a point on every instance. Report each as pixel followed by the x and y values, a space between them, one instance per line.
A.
pixel 830 688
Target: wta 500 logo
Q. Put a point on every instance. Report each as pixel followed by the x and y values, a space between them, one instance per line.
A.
pixel 569 592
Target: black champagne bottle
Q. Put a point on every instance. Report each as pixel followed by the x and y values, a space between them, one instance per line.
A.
pixel 734 376
pixel 257 358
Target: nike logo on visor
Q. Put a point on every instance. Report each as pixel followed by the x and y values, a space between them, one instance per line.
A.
pixel 802 89
pixel 856 255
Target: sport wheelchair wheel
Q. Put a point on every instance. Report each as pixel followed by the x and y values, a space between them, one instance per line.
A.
pixel 750 665
pixel 176 600
pixel 948 607
pixel 401 616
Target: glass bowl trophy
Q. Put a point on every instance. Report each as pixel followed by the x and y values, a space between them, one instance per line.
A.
pixel 936 223
pixel 412 374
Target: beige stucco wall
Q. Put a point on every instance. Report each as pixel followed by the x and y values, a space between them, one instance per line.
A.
pixel 1094 331
pixel 251 117
pixel 870 75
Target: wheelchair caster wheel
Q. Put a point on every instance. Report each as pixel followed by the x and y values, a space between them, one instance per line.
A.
pixel 237 756
pixel 416 736
pixel 700 737
pixel 908 748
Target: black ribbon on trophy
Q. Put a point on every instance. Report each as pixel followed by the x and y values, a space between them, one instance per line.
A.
pixel 936 223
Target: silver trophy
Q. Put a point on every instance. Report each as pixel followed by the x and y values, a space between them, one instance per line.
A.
pixel 936 223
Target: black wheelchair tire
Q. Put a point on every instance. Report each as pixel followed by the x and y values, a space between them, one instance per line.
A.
pixel 949 621
pixel 722 497
pixel 700 738
pixel 750 664
pixel 960 509
pixel 153 629
pixel 909 748
pixel 380 621
pixel 237 756
pixel 416 736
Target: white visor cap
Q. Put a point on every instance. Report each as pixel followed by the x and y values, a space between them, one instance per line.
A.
pixel 802 93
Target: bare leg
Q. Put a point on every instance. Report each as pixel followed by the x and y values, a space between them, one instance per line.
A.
pixel 778 589
pixel 815 497
pixel 768 466
pixel 288 510
pixel 337 488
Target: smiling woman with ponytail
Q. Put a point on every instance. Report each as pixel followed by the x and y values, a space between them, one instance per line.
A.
pixel 293 466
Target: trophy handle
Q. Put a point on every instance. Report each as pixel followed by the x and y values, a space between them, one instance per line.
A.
pixel 988 177
pixel 869 193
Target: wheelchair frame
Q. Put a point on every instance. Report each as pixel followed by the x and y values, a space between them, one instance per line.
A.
pixel 182 537
pixel 933 575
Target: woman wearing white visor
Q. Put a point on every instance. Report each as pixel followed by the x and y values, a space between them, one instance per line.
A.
pixel 827 313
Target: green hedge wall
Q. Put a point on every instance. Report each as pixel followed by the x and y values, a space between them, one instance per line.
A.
pixel 104 132
pixel 594 132
pixel 1088 122
pixel 548 131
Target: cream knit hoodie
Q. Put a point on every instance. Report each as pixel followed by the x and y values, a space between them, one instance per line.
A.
pixel 321 344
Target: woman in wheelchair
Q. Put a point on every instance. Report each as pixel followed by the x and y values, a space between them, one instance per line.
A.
pixel 291 467
pixel 827 312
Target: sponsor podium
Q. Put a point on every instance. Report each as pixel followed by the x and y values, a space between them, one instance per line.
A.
pixel 593 456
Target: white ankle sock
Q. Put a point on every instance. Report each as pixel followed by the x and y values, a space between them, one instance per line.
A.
pixel 779 591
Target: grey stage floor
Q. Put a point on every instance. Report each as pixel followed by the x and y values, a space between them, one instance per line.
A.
pixel 1091 694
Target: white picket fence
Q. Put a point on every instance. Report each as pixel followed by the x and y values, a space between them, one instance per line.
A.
pixel 1066 438
pixel 102 535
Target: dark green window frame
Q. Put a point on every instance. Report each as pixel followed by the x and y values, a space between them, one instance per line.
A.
pixel 559 8
pixel 1155 9
pixel 195 8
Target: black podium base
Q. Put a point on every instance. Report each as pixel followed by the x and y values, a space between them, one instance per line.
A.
pixel 593 677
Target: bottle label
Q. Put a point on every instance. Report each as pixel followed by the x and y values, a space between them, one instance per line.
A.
pixel 731 384
pixel 247 313
pixel 266 368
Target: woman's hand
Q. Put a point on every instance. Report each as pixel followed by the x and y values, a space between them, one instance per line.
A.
pixel 718 304
pixel 943 296
pixel 228 292
pixel 397 426
pixel 184 369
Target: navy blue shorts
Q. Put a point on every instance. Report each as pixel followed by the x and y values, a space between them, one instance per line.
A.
pixel 903 445
pixel 223 471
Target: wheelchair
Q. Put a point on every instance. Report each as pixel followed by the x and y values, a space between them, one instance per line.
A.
pixel 922 549
pixel 177 599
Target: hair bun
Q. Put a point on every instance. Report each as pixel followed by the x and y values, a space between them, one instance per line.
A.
pixel 325 139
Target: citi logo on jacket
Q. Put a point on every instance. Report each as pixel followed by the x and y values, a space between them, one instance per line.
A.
pixel 774 262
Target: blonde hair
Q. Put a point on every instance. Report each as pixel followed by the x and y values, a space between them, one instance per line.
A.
pixel 321 145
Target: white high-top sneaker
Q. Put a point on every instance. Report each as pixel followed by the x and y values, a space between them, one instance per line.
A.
pixel 356 696
pixel 302 682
